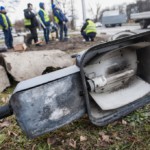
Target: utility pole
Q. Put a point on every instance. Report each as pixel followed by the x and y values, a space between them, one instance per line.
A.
pixel 52 1
pixel 73 15
pixel 83 10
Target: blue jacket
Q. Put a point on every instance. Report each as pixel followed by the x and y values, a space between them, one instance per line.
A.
pixel 60 15
pixel 2 22
pixel 41 14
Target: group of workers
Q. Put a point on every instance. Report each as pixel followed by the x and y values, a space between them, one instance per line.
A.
pixel 32 21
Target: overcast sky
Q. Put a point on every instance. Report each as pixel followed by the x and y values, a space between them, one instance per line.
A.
pixel 18 13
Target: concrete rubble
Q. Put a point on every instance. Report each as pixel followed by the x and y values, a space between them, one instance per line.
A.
pixel 19 44
pixel 18 40
pixel 20 47
pixel 3 49
pixel 104 37
pixel 29 64
pixel 4 81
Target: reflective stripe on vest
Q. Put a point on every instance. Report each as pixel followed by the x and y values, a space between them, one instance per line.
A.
pixel 91 27
pixel 27 22
pixel 5 21
pixel 46 17
pixel 56 19
pixel 9 21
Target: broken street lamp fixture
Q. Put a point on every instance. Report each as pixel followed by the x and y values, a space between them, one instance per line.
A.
pixel 109 81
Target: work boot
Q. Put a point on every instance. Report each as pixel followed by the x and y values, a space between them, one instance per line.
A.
pixel 65 39
pixel 38 45
pixel 47 42
pixel 28 44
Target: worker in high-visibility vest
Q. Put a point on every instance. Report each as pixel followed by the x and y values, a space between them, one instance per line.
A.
pixel 61 19
pixel 44 16
pixel 31 23
pixel 88 30
pixel 6 26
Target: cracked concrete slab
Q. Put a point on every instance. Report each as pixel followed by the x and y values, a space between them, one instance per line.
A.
pixel 30 64
pixel 4 81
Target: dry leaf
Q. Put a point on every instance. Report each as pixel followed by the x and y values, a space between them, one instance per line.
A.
pixel 83 138
pixel 5 99
pixel 62 141
pixel 33 147
pixel 69 133
pixel 133 124
pixel 104 137
pixel 51 141
pixel 118 138
pixel 5 124
pixel 115 135
pixel 12 133
pixel 101 133
pixel 73 143
pixel 124 122
pixel 9 132
pixel 15 134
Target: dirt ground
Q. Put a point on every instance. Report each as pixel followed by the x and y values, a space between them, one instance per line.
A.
pixel 73 45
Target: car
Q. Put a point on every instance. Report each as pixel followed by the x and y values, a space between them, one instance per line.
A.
pixel 98 24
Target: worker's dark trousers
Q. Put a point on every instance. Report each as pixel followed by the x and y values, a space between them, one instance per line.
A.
pixel 89 36
pixel 54 29
pixel 8 38
pixel 46 34
pixel 32 36
pixel 63 30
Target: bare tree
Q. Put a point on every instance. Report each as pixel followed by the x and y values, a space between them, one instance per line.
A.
pixel 63 4
pixel 72 15
pixel 9 4
pixel 19 25
pixel 131 8
pixel 143 5
pixel 115 7
pixel 68 9
pixel 121 9
pixel 95 10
